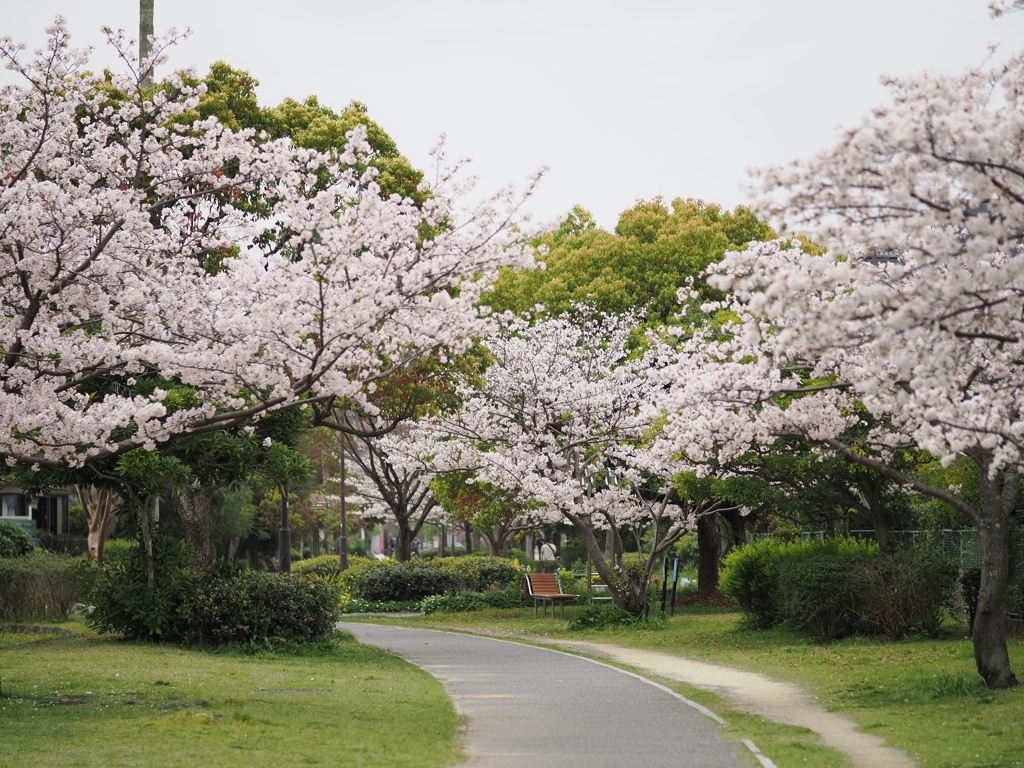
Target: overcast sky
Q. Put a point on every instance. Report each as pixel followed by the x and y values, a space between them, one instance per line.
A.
pixel 622 100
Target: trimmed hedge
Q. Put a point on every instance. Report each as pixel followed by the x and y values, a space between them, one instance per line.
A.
pixel 820 589
pixel 14 541
pixel 42 586
pixel 253 606
pixel 836 587
pixel 390 580
pixel 221 605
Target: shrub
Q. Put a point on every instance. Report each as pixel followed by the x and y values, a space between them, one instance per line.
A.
pixel 819 591
pixel 465 601
pixel 906 592
pixel 392 580
pixel 521 557
pixel 510 597
pixel 43 586
pixel 14 541
pixel 358 605
pixel 116 550
pixel 124 604
pixel 750 576
pixel 325 565
pixel 222 605
pixel 479 574
pixel 250 606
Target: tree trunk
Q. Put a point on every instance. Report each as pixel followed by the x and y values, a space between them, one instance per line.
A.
pixel 989 630
pixel 149 518
pixel 708 542
pixel 879 518
pixel 403 543
pixel 468 527
pixel 98 504
pixel 194 506
pixel 630 597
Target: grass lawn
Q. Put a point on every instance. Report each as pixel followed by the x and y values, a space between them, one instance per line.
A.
pixel 922 695
pixel 84 700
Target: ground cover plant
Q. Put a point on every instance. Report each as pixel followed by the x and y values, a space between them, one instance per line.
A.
pixel 128 703
pixel 921 694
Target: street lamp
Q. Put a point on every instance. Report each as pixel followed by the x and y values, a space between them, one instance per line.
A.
pixel 343 539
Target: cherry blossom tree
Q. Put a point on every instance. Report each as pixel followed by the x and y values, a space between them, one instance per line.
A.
pixel 914 314
pixel 389 489
pixel 130 245
pixel 558 421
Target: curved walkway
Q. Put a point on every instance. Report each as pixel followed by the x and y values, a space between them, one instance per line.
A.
pixel 758 694
pixel 527 706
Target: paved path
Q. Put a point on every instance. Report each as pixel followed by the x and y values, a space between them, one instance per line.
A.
pixel 527 706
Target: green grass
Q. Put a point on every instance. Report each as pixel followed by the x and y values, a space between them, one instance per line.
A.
pixel 921 695
pixel 91 701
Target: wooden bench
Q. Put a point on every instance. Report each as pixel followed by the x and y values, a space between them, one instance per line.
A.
pixel 545 588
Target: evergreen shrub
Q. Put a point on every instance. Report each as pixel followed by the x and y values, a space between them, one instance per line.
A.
pixel 391 580
pixel 907 592
pixel 14 540
pixel 750 577
pixel 835 587
pixel 820 589
pixel 253 606
pixel 221 605
pixel 41 587
pixel 476 573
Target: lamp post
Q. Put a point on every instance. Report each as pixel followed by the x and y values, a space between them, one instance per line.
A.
pixel 343 539
pixel 284 548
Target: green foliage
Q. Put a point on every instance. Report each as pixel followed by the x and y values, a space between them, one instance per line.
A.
pixel 651 254
pixel 603 617
pixel 325 565
pixel 479 573
pixel 219 606
pixel 253 606
pixel 358 605
pixel 14 541
pixel 392 580
pixel 749 576
pixel 42 586
pixel 836 587
pixel 122 602
pixel 819 590
pixel 417 579
pixel 460 603
pixel 472 601
pixel 907 592
pixel 520 557
pixel 116 550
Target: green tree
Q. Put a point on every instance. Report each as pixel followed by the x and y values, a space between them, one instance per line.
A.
pixel 653 252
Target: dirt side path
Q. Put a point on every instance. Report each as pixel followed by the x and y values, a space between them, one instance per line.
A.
pixel 781 702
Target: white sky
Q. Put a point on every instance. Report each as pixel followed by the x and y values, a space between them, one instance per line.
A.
pixel 623 100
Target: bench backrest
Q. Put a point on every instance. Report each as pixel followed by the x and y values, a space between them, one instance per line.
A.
pixel 543 584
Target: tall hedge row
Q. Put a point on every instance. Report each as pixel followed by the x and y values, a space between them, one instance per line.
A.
pixel 387 580
pixel 838 587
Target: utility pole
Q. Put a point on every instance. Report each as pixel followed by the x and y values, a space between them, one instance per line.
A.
pixel 284 539
pixel 145 32
pixel 343 539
